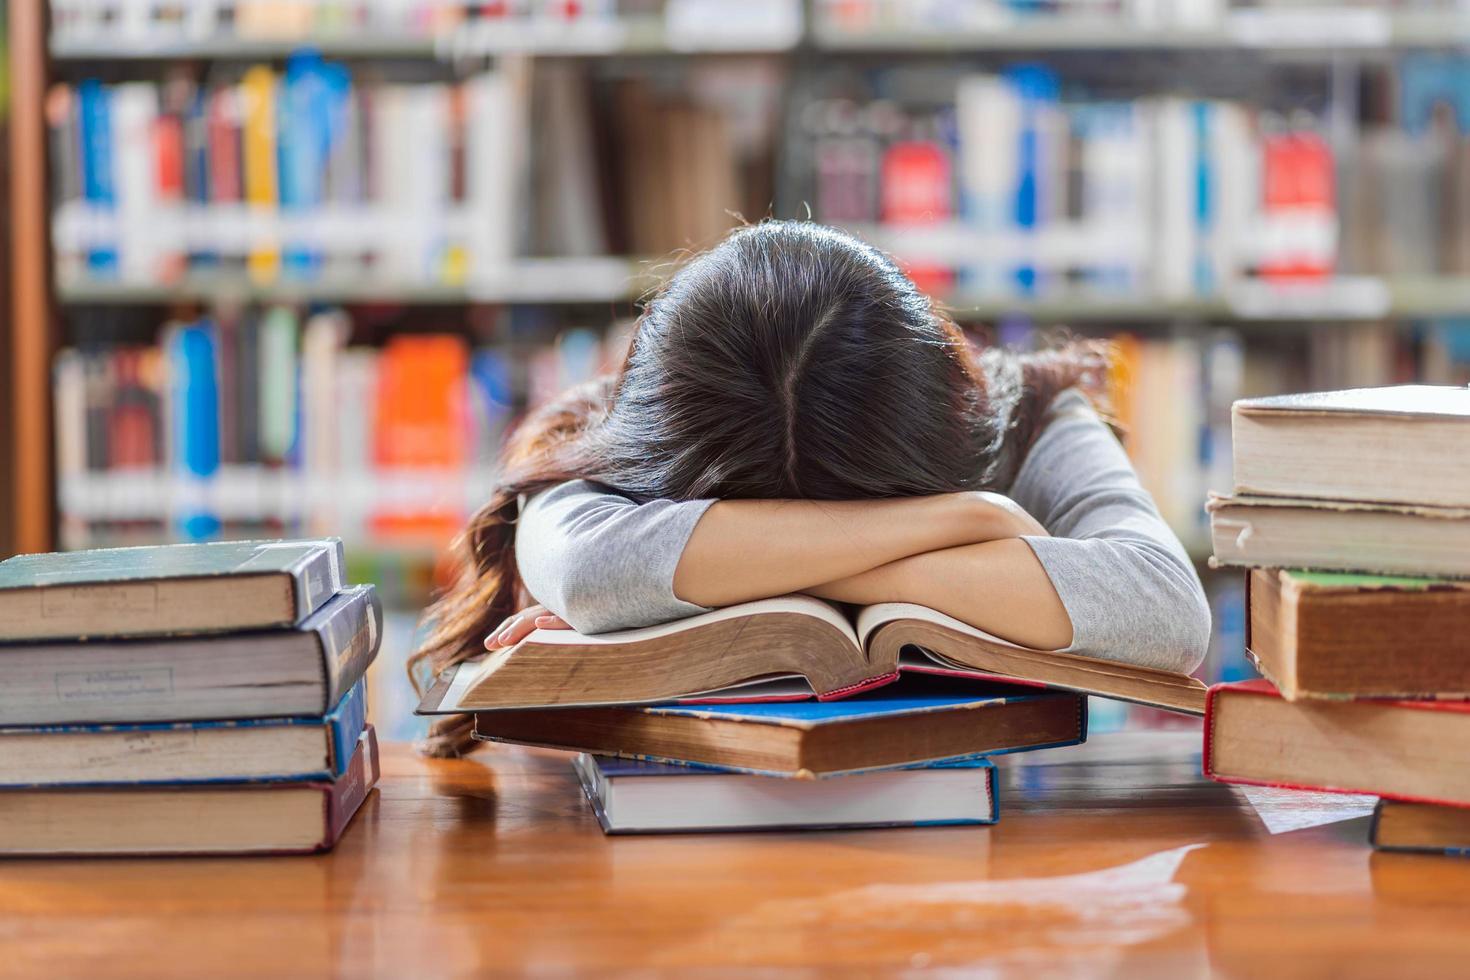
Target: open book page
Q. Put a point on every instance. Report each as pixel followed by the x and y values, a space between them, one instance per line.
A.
pixel 786 687
pixel 800 604
pixel 870 618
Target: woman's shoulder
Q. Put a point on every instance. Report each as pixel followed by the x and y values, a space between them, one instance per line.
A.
pixel 1072 403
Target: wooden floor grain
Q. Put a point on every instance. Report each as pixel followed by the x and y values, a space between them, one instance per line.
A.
pixel 1113 859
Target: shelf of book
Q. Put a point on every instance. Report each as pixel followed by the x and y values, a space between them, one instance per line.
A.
pixel 606 279
pixel 581 281
pixel 1327 31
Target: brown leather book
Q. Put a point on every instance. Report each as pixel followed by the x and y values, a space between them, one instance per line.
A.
pixel 918 720
pixel 1335 635
pixel 1420 827
pixel 1402 444
pixel 788 648
pixel 209 818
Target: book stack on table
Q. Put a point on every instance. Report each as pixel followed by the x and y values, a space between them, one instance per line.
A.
pixel 786 713
pixel 1352 512
pixel 184 699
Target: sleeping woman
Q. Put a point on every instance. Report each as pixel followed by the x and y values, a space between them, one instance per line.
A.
pixel 795 416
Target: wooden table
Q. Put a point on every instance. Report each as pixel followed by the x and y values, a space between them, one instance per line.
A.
pixel 1111 859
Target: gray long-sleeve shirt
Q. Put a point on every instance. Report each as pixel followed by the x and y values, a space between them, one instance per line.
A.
pixel 603 562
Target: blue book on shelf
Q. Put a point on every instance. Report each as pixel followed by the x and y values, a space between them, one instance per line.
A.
pixel 632 797
pixel 94 110
pixel 251 750
pixel 312 95
pixel 191 351
pixel 1036 85
pixel 1201 118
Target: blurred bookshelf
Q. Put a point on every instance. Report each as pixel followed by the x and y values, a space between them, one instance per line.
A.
pixel 288 267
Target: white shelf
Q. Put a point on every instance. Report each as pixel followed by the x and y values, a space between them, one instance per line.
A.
pixel 530 281
pixel 546 38
pixel 1323 30
pixel 612 280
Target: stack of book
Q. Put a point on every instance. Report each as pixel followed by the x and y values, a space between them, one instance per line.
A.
pixel 184 699
pixel 1352 510
pixel 882 720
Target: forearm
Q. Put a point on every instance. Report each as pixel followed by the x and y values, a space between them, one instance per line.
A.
pixel 751 549
pixel 997 586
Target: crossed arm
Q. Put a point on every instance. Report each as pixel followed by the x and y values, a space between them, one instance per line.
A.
pixel 959 553
pixel 1105 578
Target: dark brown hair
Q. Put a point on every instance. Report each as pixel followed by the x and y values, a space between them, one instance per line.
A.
pixel 790 360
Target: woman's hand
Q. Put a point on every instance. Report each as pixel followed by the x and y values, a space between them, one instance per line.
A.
pixel 518 626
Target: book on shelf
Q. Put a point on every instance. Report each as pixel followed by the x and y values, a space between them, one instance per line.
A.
pixel 250 674
pixel 791 647
pixel 211 587
pixel 1416 751
pixel 1256 531
pixel 1399 444
pixel 247 750
pixel 235 818
pixel 918 720
pixel 1420 828
pixel 632 797
pixel 299 175
pixel 1339 635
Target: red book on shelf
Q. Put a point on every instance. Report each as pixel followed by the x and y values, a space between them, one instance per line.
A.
pixel 168 177
pixel 224 146
pixel 1417 751
pixel 916 187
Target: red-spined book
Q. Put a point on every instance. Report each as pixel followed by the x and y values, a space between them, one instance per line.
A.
pixel 1416 751
pixel 282 817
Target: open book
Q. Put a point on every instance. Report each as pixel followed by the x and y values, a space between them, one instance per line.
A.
pixel 789 648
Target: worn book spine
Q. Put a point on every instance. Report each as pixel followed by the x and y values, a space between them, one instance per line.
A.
pixel 318 576
pixel 1452 839
pixel 349 642
pixel 1264 688
pixel 344 797
pixel 345 725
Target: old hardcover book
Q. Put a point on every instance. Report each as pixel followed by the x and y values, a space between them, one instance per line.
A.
pixel 1403 444
pixel 788 648
pixel 160 590
pixel 1338 635
pixel 1390 539
pixel 920 720
pixel 632 797
pixel 255 674
pixel 185 752
pixel 1420 827
pixel 1417 751
pixel 238 818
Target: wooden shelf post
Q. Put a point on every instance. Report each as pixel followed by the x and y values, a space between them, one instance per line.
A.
pixel 28 470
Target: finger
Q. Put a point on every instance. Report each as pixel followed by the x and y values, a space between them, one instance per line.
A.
pixel 503 633
pixel 551 621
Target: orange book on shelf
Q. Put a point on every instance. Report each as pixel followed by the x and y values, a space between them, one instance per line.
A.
pixel 421 436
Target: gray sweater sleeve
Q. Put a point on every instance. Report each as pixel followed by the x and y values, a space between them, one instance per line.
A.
pixel 601 561
pixel 1129 587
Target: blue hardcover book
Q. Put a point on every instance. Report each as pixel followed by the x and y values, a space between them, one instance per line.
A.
pixel 1201 113
pixel 1421 828
pixel 166 590
pixel 251 750
pixel 195 424
pixel 309 91
pixel 1036 87
pixel 914 720
pixel 98 189
pixel 631 797
pixel 253 674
